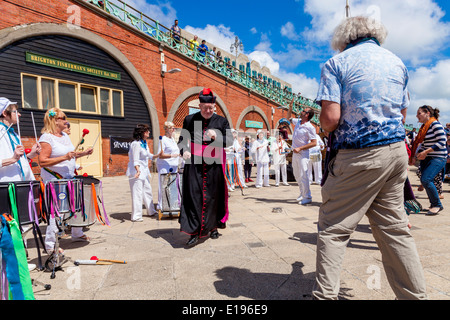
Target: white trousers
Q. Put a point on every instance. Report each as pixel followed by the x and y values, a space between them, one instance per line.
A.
pixel 317 168
pixel 141 191
pixel 52 230
pixel 300 169
pixel 240 168
pixel 262 169
pixel 280 167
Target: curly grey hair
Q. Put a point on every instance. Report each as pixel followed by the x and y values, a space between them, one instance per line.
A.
pixel 357 27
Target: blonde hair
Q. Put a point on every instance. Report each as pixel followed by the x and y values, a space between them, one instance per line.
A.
pixel 168 124
pixel 357 27
pixel 50 120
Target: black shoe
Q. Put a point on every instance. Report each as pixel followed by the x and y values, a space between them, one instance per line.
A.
pixel 431 213
pixel 192 241
pixel 214 234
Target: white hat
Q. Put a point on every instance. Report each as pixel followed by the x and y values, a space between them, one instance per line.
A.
pixel 5 103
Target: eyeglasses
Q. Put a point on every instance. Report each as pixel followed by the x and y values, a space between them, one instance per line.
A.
pixel 61 118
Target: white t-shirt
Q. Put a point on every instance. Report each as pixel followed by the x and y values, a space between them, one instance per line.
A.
pixel 262 155
pixel 279 157
pixel 303 134
pixel 138 156
pixel 12 172
pixel 60 147
pixel 169 146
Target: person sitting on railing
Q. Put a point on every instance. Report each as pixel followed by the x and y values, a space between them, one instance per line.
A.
pixel 176 32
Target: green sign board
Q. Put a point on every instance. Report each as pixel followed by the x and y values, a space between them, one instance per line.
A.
pixel 254 124
pixel 71 66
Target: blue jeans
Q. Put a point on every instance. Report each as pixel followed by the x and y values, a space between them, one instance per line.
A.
pixel 430 167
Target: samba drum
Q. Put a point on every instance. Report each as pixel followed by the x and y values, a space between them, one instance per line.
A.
pixel 171 188
pixel 90 203
pixel 26 197
pixel 64 197
pixel 315 157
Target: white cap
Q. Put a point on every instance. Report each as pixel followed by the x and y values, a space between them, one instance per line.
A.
pixel 5 103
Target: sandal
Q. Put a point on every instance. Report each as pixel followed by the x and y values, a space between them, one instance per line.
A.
pixel 434 211
pixel 83 238
pixel 51 251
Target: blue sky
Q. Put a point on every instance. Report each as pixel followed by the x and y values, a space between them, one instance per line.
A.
pixel 292 37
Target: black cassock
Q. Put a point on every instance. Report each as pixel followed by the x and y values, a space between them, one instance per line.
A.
pixel 205 194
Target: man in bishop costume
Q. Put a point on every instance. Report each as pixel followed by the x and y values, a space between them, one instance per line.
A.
pixel 205 195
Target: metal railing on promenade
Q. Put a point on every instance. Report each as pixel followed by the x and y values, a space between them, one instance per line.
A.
pixel 152 28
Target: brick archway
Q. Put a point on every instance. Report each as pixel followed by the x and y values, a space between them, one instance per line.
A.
pixel 13 34
pixel 180 108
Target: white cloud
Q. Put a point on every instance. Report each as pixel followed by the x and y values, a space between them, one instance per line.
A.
pixel 221 36
pixel 288 31
pixel 253 30
pixel 416 31
pixel 300 83
pixel 265 60
pixel 430 86
pixel 163 12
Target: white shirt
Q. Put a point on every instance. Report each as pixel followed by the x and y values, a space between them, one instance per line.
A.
pixel 261 154
pixel 138 156
pixel 12 172
pixel 278 156
pixel 303 134
pixel 319 146
pixel 60 147
pixel 237 148
pixel 169 146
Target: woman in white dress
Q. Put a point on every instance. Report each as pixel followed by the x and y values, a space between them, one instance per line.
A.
pixel 139 174
pixel 57 160
pixel 259 147
pixel 169 156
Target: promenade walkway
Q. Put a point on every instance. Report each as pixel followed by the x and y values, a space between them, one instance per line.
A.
pixel 267 252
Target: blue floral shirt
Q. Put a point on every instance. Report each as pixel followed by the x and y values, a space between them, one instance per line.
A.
pixel 370 84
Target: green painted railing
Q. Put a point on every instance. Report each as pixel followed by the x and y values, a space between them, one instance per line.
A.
pixel 154 29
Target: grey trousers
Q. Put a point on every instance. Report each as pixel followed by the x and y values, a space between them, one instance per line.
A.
pixel 368 182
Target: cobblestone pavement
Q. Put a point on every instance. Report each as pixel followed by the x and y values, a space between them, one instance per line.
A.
pixel 267 252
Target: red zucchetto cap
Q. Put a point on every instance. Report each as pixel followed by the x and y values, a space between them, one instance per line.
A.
pixel 206 96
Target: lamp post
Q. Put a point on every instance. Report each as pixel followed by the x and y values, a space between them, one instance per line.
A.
pixel 237 45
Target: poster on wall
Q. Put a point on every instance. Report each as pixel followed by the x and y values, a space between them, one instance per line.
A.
pixel 119 145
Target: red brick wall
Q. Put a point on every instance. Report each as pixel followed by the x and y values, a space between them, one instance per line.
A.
pixel 145 56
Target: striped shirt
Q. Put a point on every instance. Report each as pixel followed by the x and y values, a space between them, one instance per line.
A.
pixel 435 139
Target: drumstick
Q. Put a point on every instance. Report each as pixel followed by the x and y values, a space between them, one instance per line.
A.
pixel 93 145
pixel 34 127
pixel 18 126
pixel 96 140
pixel 6 131
pixel 94 258
pixel 85 132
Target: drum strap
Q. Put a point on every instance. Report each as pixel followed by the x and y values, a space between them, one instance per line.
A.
pixel 95 202
pixel 103 205
pixel 53 201
pixel 13 201
pixel 71 192
pixel 53 173
pixel 179 189
pixel 32 206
